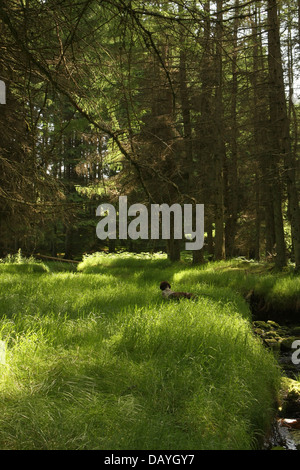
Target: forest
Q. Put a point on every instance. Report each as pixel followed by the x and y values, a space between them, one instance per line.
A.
pixel 162 102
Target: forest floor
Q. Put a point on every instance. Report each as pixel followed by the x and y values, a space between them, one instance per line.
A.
pixel 96 359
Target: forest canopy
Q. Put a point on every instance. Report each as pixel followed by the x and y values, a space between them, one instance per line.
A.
pixel 162 102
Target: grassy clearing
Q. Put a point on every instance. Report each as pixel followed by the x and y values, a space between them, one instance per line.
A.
pixel 99 361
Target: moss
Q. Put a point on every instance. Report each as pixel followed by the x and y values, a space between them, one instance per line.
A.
pixel 286 343
pixel 289 396
pixel 262 325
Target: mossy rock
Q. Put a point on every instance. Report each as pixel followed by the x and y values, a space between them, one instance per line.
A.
pixel 290 394
pixel 273 324
pixel 263 325
pixel 283 331
pixel 272 343
pixel 286 343
pixel 271 334
pixel 295 331
pixel 259 331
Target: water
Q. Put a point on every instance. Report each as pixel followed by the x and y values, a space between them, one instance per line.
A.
pixel 280 338
pixel 282 437
pixel 285 432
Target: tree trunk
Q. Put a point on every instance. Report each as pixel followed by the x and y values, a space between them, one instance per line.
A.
pixel 219 140
pixel 187 137
pixel 68 243
pixel 173 249
pixel 282 142
pixel 260 119
pixel 204 147
pixel 257 218
pixel 278 122
pixel 290 156
pixel 230 167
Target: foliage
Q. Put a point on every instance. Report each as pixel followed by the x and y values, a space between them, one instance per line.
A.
pixel 164 102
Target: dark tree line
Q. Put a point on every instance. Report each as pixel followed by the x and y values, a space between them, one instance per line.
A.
pixel 161 101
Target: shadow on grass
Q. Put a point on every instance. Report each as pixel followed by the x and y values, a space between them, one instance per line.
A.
pixel 166 377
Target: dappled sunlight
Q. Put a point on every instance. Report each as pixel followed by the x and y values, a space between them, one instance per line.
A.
pixel 99 361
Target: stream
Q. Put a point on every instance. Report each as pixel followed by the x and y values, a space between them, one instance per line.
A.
pixel 285 432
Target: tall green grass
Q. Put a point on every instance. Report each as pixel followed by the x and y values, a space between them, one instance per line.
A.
pixel 100 361
pixel 95 262
pixel 19 264
pixel 279 288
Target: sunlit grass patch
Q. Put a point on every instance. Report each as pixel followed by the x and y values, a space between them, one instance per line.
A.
pixel 280 288
pixel 97 261
pixel 286 291
pixel 21 265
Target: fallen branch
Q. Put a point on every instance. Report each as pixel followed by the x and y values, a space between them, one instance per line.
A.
pixel 54 258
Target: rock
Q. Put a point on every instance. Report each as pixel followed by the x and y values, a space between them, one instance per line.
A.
pixel 273 324
pixel 290 423
pixel 292 387
pixel 263 325
pixel 286 343
pixel 272 343
pixel 296 438
pixel 290 392
pixel 283 331
pixel 295 331
pixel 271 334
pixel 259 331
